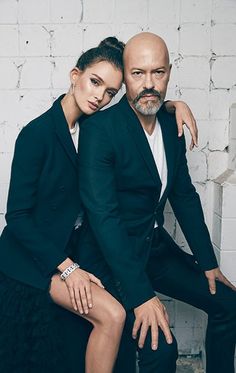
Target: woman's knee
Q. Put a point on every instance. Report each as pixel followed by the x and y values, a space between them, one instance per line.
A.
pixel 113 315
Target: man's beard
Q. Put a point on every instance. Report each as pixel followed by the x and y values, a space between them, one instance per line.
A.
pixel 151 107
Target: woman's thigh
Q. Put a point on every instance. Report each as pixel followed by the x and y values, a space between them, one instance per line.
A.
pixel 105 306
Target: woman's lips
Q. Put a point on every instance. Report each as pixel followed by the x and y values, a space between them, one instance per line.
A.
pixel 93 105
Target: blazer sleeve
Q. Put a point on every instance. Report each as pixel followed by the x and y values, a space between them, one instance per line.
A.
pixel 188 210
pixel 28 159
pixel 98 194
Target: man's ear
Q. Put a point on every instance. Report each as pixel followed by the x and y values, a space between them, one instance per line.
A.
pixel 74 74
pixel 170 66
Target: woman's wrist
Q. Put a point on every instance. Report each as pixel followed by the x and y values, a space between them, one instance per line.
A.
pixel 67 263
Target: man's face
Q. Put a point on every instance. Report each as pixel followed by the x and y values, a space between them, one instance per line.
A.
pixel 146 76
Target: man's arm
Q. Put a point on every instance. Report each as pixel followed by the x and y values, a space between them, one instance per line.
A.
pixel 99 196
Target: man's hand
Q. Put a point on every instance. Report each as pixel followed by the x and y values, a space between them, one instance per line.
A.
pixel 151 314
pixel 216 275
pixel 183 116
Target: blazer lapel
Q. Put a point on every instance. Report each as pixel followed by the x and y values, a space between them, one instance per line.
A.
pixel 62 131
pixel 138 136
pixel 169 145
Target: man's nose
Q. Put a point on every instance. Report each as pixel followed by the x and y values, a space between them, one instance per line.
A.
pixel 149 84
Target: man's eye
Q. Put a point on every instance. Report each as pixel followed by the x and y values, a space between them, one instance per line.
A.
pixel 159 72
pixel 137 73
pixel 94 81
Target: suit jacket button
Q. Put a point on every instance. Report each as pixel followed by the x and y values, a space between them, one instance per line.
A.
pixel 62 188
pixel 147 238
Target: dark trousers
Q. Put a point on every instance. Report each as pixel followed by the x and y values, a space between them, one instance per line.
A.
pixel 175 274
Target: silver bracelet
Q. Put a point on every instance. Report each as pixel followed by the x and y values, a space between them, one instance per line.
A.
pixel 69 270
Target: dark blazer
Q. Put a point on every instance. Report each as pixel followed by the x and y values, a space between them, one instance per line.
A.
pixel 120 189
pixel 43 200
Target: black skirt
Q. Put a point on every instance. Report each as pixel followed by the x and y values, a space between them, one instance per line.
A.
pixel 31 339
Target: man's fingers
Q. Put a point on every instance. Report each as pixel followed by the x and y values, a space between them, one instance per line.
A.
pixel 143 334
pixel 154 332
pixel 166 330
pixel 227 283
pixel 212 285
pixel 136 327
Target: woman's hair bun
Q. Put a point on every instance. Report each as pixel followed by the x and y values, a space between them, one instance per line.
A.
pixel 112 42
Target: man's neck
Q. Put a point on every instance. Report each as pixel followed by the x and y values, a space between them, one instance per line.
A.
pixel 147 121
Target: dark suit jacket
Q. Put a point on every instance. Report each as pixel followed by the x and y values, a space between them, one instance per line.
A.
pixel 43 200
pixel 120 189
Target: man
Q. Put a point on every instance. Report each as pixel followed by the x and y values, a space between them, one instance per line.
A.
pixel 131 161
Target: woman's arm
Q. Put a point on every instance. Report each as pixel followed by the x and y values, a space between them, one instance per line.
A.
pixel 183 116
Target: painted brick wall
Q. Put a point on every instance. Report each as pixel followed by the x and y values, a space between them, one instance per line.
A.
pixel 41 40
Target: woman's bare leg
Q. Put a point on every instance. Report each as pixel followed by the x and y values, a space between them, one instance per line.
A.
pixel 107 317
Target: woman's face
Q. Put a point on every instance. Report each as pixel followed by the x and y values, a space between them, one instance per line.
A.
pixel 94 87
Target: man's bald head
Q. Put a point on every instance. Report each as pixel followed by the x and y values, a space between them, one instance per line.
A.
pixel 146 72
pixel 143 43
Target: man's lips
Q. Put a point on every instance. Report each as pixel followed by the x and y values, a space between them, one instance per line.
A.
pixel 93 105
pixel 152 97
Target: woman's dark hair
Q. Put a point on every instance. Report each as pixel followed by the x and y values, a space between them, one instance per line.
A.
pixel 109 49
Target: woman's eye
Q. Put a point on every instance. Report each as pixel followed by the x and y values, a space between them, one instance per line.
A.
pixel 94 81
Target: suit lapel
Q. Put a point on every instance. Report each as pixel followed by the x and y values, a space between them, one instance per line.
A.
pixel 169 139
pixel 62 131
pixel 138 136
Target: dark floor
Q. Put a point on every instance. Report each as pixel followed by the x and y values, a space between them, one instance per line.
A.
pixel 189 365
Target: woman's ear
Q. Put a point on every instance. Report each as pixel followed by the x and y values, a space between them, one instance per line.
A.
pixel 74 74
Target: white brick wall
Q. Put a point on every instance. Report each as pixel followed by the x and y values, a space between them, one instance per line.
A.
pixel 40 42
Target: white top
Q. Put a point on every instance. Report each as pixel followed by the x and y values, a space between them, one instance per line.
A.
pixel 75 135
pixel 156 144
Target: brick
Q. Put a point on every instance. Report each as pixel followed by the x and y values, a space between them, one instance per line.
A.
pixel 218 134
pixel 223 39
pixel 223 11
pixel 187 315
pixel 216 230
pixel 67 40
pixel 70 11
pixel 32 104
pixel 34 40
pixel 103 13
pixel 8 135
pixel 217 164
pixel 224 72
pixel 198 101
pixel 132 11
pixel 232 154
pixel 226 260
pixel 197 166
pixel 36 73
pixel 228 234
pixel 195 11
pixel 61 72
pixel 229 201
pixel 125 31
pixel 9 40
pixel 93 34
pixel 195 40
pixel 189 340
pixel 3 194
pixel 8 11
pixel 168 32
pixel 219 104
pixel 8 74
pixel 163 11
pixel 31 11
pixel 170 223
pixel 193 72
pixel 9 107
pixel 5 167
pixel 233 121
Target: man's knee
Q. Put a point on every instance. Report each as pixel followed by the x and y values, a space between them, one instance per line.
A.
pixel 162 360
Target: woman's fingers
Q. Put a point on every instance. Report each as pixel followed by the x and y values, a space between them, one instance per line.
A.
pixel 95 280
pixel 83 298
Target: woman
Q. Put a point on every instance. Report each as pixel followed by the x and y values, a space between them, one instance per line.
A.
pixel 43 214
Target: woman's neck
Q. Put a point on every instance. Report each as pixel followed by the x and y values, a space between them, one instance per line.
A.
pixel 70 109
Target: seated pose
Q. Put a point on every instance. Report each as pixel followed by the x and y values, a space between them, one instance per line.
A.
pixel 43 218
pixel 131 161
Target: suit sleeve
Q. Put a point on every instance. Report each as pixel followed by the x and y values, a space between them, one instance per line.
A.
pixel 27 164
pixel 98 194
pixel 188 210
